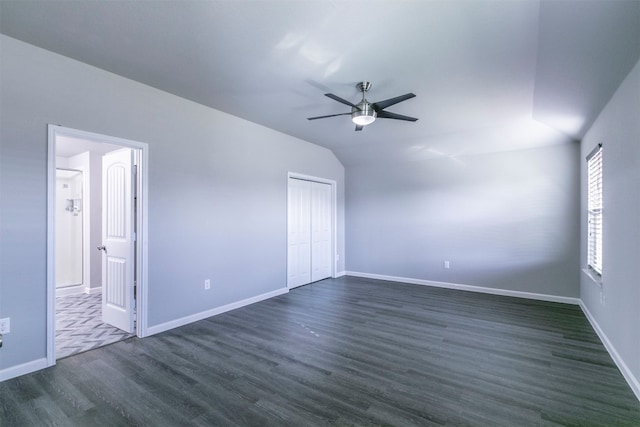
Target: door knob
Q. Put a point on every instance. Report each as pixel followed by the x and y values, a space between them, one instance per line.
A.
pixel 102 248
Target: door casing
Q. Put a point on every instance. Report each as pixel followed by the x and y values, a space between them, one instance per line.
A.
pixel 55 131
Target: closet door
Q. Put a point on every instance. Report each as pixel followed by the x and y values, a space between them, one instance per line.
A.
pixel 320 231
pixel 299 233
pixel 309 232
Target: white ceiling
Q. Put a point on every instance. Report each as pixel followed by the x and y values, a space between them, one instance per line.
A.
pixel 67 146
pixel 489 75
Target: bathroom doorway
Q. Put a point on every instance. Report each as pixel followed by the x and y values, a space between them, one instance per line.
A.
pixel 80 287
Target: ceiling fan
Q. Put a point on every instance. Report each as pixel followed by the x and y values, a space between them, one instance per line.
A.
pixel 365 112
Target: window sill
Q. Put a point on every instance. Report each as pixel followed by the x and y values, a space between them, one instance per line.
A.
pixel 595 278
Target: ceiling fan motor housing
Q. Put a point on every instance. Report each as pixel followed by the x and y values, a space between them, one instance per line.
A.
pixel 363 113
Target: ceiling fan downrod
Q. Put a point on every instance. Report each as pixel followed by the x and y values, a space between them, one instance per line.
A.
pixel 363 87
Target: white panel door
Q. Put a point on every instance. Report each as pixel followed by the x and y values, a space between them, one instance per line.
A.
pixel 309 232
pixel 320 231
pixel 117 239
pixel 299 233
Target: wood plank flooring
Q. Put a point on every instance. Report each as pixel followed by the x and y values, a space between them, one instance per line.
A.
pixel 346 351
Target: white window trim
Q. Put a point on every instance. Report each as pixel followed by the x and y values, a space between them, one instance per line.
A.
pixel 594 265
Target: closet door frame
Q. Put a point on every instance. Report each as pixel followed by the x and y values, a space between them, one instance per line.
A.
pixel 334 215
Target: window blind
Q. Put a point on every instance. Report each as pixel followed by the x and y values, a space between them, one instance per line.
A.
pixel 594 208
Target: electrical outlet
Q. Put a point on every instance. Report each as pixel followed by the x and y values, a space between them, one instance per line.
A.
pixel 5 325
pixel 207 284
pixel 446 264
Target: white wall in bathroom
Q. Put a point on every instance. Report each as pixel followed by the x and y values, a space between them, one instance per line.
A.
pixel 68 230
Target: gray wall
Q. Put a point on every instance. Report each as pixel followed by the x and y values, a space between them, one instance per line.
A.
pixel 95 183
pixel 504 220
pixel 217 190
pixel 618 129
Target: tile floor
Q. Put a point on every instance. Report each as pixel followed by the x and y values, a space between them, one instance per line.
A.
pixel 79 325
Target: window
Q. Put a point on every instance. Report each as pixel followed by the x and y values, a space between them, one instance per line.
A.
pixel 594 210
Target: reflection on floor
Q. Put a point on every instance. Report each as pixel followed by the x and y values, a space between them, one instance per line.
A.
pixel 79 325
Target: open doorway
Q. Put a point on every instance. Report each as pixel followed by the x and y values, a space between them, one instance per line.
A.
pixel 96 260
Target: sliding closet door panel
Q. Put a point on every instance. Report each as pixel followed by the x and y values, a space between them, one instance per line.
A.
pixel 320 231
pixel 299 233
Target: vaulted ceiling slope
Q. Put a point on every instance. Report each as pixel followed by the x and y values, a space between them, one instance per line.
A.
pixel 488 74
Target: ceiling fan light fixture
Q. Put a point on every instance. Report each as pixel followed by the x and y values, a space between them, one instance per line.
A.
pixel 363 115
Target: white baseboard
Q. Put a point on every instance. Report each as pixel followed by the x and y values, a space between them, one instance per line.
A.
pixel 340 274
pixel 77 289
pixel 69 290
pixel 152 330
pixel 93 291
pixel 23 369
pixel 471 288
pixel 626 372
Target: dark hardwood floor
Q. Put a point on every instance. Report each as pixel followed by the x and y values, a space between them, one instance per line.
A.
pixel 345 351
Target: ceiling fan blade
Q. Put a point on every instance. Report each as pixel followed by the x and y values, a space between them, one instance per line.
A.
pixel 381 105
pixel 359 128
pixel 340 100
pixel 330 115
pixel 390 115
